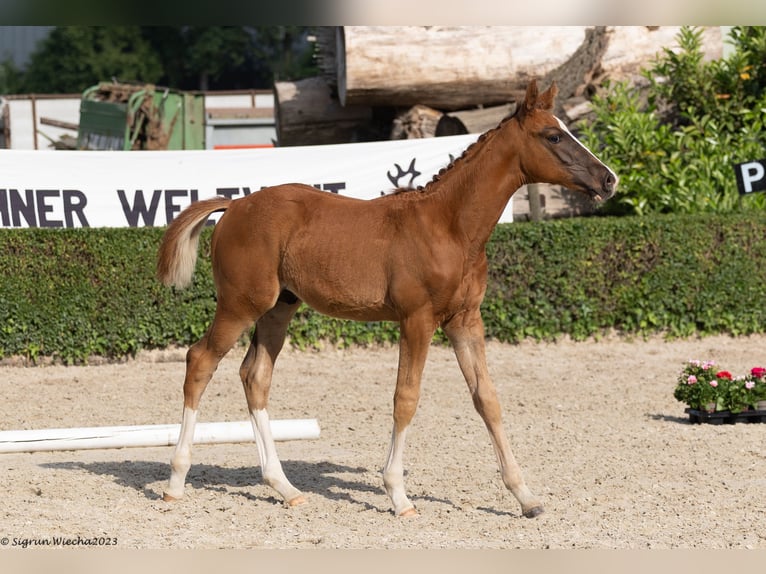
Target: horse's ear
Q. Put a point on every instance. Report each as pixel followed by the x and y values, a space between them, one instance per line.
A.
pixel 530 99
pixel 534 100
pixel 545 101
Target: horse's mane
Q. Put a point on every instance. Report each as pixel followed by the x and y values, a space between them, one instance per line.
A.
pixel 467 152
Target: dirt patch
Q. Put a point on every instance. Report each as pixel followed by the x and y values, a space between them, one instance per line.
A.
pixel 594 425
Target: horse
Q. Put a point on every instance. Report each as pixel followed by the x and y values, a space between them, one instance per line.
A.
pixel 416 257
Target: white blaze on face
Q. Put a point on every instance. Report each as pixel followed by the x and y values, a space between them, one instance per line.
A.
pixel 563 126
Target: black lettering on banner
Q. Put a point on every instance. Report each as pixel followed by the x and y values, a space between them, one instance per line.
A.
pixel 172 208
pixel 18 206
pixel 36 206
pixel 43 208
pixel 331 187
pixel 751 176
pixel 4 208
pixel 139 214
pixel 74 204
pixel 230 192
pixel 138 208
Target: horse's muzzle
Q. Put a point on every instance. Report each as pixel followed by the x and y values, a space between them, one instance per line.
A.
pixel 608 187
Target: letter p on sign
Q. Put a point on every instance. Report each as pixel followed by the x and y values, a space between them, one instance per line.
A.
pixel 751 176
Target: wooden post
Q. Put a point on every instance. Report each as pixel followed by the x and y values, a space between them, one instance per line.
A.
pixel 535 208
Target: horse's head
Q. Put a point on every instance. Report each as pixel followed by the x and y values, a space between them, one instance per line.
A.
pixel 550 153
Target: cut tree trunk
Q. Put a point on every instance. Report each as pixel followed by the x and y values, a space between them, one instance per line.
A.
pixel 452 68
pixel 305 113
pixel 446 68
pixel 424 122
pixel 417 122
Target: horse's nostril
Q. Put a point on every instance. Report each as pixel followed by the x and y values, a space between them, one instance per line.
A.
pixel 610 181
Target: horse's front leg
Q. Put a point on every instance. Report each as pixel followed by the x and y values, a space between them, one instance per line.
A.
pixel 466 333
pixel 416 334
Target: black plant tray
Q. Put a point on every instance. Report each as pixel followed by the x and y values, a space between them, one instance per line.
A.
pixel 726 417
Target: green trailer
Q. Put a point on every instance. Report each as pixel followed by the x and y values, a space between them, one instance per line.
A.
pixel 117 116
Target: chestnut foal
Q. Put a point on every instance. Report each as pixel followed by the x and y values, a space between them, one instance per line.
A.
pixel 417 258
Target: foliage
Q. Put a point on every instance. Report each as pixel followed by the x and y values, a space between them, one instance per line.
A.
pixel 68 294
pixel 73 58
pixel 280 53
pixel 674 142
pixel 10 77
pixel 681 275
pixel 703 387
pixel 71 293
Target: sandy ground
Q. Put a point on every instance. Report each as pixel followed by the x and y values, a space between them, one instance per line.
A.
pixel 594 425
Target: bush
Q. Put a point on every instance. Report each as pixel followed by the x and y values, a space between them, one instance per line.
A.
pixel 68 294
pixel 678 275
pixel 72 293
pixel 674 142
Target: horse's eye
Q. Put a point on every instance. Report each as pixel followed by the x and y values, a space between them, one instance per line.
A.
pixel 554 138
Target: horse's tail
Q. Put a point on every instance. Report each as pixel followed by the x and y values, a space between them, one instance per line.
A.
pixel 177 255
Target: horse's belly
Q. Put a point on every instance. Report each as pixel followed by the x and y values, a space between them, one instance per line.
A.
pixel 347 293
pixel 343 302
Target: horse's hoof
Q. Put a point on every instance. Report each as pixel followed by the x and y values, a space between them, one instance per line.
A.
pixel 169 497
pixel 409 512
pixel 534 511
pixel 297 501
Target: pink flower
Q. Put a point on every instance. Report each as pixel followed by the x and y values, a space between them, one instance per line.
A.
pixel 691 380
pixel 749 384
pixel 714 383
pixel 758 372
pixel 707 365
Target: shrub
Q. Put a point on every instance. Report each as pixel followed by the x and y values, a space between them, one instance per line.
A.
pixel 674 141
pixel 68 294
pixel 679 275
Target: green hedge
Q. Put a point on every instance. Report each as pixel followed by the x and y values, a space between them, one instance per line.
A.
pixel 680 275
pixel 69 294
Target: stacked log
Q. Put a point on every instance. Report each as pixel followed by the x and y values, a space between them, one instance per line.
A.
pixel 456 68
pixel 378 82
pixel 306 113
pixel 399 82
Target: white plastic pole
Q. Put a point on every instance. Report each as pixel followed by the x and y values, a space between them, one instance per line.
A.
pixel 148 435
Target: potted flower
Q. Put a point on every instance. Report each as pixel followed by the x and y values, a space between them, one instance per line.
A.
pixel 737 393
pixel 697 385
pixel 758 377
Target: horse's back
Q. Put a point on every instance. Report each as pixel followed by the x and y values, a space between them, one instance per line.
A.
pixel 302 209
pixel 332 251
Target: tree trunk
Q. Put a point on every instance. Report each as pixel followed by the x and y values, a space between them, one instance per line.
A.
pixel 452 68
pixel 446 68
pixel 306 114
pixel 573 76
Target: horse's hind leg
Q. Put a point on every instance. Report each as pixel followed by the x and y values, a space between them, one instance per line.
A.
pixel 201 362
pixel 466 333
pixel 256 373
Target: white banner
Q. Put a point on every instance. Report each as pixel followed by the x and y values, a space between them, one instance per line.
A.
pixel 145 188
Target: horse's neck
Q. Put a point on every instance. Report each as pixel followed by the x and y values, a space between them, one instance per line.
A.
pixel 475 191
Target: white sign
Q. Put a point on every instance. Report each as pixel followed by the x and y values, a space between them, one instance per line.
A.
pixel 146 188
pixel 751 176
